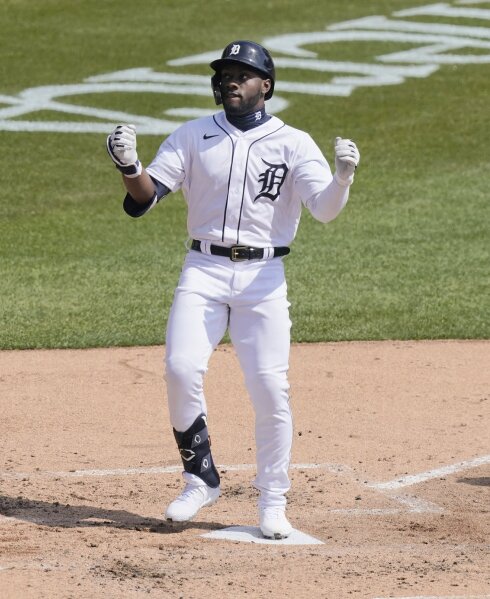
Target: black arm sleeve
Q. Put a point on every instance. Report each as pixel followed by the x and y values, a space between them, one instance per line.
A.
pixel 134 209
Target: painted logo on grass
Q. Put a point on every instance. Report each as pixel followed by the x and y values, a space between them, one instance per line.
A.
pixel 425 45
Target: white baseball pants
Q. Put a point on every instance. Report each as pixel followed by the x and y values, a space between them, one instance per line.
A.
pixel 250 298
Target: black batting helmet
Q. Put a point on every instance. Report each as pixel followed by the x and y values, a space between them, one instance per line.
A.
pixel 248 53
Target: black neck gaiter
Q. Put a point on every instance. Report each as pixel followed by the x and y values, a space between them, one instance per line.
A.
pixel 244 122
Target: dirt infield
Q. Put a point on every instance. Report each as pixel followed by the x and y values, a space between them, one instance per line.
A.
pixel 390 473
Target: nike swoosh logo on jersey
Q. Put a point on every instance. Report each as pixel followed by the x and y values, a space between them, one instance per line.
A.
pixel 206 136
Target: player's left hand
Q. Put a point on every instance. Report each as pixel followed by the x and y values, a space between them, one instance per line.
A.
pixel 121 146
pixel 346 159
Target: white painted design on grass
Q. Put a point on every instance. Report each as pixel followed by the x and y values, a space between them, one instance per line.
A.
pixel 443 9
pixel 385 24
pixel 431 45
pixel 414 479
pixel 252 534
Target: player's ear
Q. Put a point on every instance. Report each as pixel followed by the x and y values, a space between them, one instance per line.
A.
pixel 216 87
pixel 266 85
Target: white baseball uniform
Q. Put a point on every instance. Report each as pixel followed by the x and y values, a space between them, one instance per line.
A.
pixel 247 188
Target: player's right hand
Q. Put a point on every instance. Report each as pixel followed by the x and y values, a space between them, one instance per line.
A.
pixel 121 146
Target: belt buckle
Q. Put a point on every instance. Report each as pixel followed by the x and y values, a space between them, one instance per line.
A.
pixel 234 253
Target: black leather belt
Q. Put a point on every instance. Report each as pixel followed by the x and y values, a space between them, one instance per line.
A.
pixel 238 253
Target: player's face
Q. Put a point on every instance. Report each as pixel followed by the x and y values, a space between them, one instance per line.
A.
pixel 242 89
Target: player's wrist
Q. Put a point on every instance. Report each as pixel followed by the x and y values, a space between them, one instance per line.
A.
pixel 131 170
pixel 343 181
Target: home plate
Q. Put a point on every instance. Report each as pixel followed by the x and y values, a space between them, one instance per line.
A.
pixel 252 534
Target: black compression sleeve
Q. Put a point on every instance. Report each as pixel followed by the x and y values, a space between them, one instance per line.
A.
pixel 135 209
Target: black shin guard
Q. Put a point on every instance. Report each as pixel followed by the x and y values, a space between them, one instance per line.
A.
pixel 195 449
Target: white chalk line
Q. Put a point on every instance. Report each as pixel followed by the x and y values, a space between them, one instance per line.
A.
pixel 416 504
pixel 334 468
pixel 414 479
pixel 440 597
pixel 8 519
pixel 409 503
pixel 392 485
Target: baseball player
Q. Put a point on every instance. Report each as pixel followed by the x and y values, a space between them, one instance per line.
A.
pixel 245 176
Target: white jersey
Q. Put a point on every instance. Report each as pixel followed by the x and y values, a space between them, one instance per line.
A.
pixel 247 187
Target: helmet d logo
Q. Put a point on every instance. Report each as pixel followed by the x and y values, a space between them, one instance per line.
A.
pixel 235 49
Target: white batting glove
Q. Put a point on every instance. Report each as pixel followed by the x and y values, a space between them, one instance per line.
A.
pixel 121 145
pixel 346 160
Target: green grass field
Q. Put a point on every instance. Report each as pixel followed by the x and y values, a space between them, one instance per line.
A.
pixel 407 259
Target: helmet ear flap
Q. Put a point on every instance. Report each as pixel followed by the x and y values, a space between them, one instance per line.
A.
pixel 216 87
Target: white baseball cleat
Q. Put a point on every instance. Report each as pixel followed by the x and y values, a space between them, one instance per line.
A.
pixel 274 524
pixel 190 501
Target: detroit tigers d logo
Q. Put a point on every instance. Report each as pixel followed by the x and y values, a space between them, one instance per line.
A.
pixel 272 179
